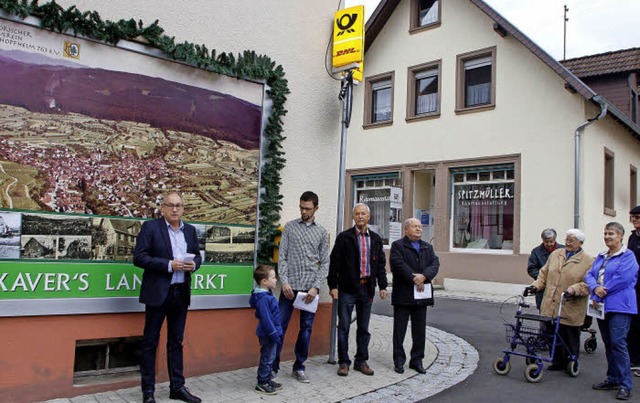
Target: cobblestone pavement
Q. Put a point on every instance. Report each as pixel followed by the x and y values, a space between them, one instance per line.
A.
pixel 448 360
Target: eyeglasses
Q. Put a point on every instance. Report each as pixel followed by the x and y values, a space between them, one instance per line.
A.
pixel 172 206
pixel 634 216
pixel 306 208
pixel 570 240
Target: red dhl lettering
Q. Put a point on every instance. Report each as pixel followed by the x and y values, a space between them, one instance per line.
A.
pixel 346 51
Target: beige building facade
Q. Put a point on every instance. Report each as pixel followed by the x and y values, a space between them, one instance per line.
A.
pixel 474 125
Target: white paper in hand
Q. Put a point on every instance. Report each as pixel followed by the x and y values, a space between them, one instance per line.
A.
pixel 594 312
pixel 187 257
pixel 424 294
pixel 300 304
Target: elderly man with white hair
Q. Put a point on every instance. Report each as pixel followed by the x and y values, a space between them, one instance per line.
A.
pixel 564 272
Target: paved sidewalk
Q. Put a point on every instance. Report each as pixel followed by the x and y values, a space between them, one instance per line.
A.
pixel 448 359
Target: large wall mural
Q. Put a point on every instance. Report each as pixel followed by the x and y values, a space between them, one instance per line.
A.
pixel 92 136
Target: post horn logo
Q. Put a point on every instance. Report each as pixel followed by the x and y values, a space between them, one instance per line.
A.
pixel 351 19
pixel 72 50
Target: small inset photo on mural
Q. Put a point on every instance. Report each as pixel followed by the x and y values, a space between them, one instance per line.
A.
pixel 230 244
pixel 9 235
pixel 113 238
pixel 74 247
pixel 39 247
pixel 50 224
pixel 218 234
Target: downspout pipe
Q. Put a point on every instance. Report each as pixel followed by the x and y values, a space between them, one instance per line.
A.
pixel 579 129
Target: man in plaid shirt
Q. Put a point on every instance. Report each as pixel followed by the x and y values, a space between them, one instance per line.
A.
pixel 303 264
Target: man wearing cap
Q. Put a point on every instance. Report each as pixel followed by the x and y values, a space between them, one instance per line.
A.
pixel 633 337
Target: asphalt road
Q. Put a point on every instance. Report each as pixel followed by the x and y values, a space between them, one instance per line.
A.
pixel 479 323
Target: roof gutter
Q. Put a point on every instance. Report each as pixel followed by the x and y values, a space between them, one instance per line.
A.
pixel 576 190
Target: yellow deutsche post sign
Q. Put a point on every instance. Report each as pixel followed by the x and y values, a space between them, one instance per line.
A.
pixel 348 36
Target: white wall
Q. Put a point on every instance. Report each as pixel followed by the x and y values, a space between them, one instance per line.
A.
pixel 534 115
pixel 292 33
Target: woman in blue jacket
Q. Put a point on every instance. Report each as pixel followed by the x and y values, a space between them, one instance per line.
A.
pixel 611 281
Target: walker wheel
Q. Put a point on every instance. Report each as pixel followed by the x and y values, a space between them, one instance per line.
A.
pixel 530 373
pixel 573 368
pixel 590 345
pixel 501 367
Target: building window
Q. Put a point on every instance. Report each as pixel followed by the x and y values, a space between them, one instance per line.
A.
pixel 609 183
pixel 383 194
pixel 483 208
pixel 425 14
pixel 100 359
pixel 423 91
pixel 476 81
pixel 633 187
pixel 379 100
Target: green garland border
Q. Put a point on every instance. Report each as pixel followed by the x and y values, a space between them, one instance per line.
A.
pixel 247 65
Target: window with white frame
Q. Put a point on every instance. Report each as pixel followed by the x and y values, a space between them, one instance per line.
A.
pixel 483 208
pixel 379 100
pixel 476 80
pixel 423 92
pixel 424 13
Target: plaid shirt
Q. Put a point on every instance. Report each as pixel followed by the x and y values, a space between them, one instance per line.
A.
pixel 303 259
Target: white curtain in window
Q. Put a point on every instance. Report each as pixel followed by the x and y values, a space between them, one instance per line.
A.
pixel 429 16
pixel 427 103
pixel 479 94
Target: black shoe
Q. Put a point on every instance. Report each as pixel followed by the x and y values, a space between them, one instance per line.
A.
pixel 148 398
pixel 184 395
pixel 418 368
pixel 556 367
pixel 605 385
pixel 399 369
pixel 623 394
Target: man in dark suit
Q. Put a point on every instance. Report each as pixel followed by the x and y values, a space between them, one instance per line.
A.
pixel 414 264
pixel 357 263
pixel 161 249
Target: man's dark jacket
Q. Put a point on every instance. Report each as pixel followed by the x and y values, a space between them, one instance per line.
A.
pixel 344 266
pixel 538 259
pixel 405 261
pixel 153 253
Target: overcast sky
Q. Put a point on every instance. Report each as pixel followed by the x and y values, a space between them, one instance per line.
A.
pixel 595 26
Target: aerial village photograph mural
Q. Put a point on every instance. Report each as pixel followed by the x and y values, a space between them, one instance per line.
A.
pixel 88 148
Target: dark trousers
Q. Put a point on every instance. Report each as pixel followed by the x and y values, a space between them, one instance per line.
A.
pixel 633 341
pixel 571 337
pixel 174 309
pixel 267 356
pixel 401 315
pixel 613 330
pixel 346 303
pixel 301 349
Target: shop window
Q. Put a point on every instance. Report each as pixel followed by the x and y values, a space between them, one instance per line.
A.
pixel 476 81
pixel 633 187
pixel 425 14
pixel 97 359
pixel 385 203
pixel 379 100
pixel 609 183
pixel 483 208
pixel 423 99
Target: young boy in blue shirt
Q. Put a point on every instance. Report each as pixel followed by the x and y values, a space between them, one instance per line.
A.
pixel 269 330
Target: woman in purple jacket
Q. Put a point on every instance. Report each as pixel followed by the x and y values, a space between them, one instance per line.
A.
pixel 611 281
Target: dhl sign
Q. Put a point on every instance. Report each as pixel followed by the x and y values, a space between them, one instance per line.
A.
pixel 348 36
